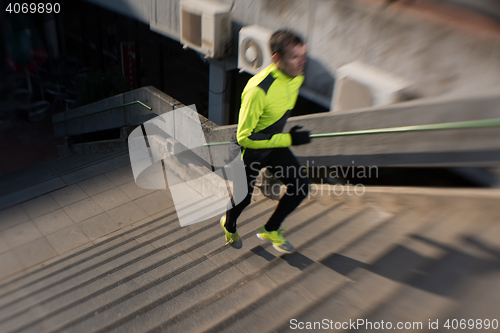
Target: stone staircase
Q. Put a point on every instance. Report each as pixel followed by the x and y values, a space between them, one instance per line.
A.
pixel 392 254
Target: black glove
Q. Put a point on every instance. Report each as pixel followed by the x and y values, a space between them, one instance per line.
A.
pixel 299 137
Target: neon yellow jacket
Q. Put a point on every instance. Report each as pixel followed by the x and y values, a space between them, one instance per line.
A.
pixel 266 103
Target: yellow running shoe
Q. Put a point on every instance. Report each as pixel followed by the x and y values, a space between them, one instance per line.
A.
pixel 231 238
pixel 275 237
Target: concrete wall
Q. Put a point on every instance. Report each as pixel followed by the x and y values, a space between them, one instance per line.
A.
pixel 489 7
pixel 88 119
pixel 457 147
pixel 399 39
pixel 141 10
pixel 447 148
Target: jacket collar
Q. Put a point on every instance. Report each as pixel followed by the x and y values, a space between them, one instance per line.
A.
pixel 279 75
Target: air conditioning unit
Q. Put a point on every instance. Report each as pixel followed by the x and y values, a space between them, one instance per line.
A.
pixel 359 85
pixel 253 48
pixel 206 27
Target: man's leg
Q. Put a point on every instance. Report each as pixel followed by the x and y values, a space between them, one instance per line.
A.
pixel 232 214
pixel 285 167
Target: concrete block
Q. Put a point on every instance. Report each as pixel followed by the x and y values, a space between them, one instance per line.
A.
pixel 121 175
pixel 68 195
pixel 167 98
pixel 10 264
pixel 98 226
pixel 188 130
pixel 220 134
pixel 67 239
pixel 83 210
pixel 53 221
pixel 134 191
pixel 161 102
pixel 154 203
pixel 127 214
pixel 4 246
pixel 96 185
pixel 35 252
pixel 12 216
pixel 111 199
pixel 40 206
pixel 21 234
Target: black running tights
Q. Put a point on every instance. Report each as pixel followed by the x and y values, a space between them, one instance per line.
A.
pixel 283 164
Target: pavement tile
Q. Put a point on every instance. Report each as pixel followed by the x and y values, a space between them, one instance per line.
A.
pixel 40 206
pixel 35 252
pixel 68 195
pixel 166 193
pixel 108 236
pixel 4 246
pixel 96 185
pixel 65 254
pixel 98 226
pixel 67 239
pixel 121 175
pixel 168 213
pixel 133 191
pixel 12 216
pixel 21 234
pixel 127 214
pixel 10 264
pixel 53 221
pixel 154 203
pixel 76 249
pixel 111 198
pixel 137 224
pixel 83 210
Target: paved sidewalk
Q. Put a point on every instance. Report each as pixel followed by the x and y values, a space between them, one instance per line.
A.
pixel 70 219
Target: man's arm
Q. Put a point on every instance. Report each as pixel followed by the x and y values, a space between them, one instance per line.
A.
pixel 252 107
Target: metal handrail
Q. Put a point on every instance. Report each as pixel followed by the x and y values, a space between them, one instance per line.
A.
pixel 494 122
pixel 111 108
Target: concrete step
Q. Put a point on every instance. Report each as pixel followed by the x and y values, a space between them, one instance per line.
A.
pixel 262 272
pixel 78 288
pixel 82 268
pixel 78 259
pixel 444 289
pixel 328 274
pixel 195 284
pixel 353 260
pixel 287 275
pixel 372 287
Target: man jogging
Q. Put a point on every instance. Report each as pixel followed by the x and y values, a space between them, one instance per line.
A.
pixel 266 103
